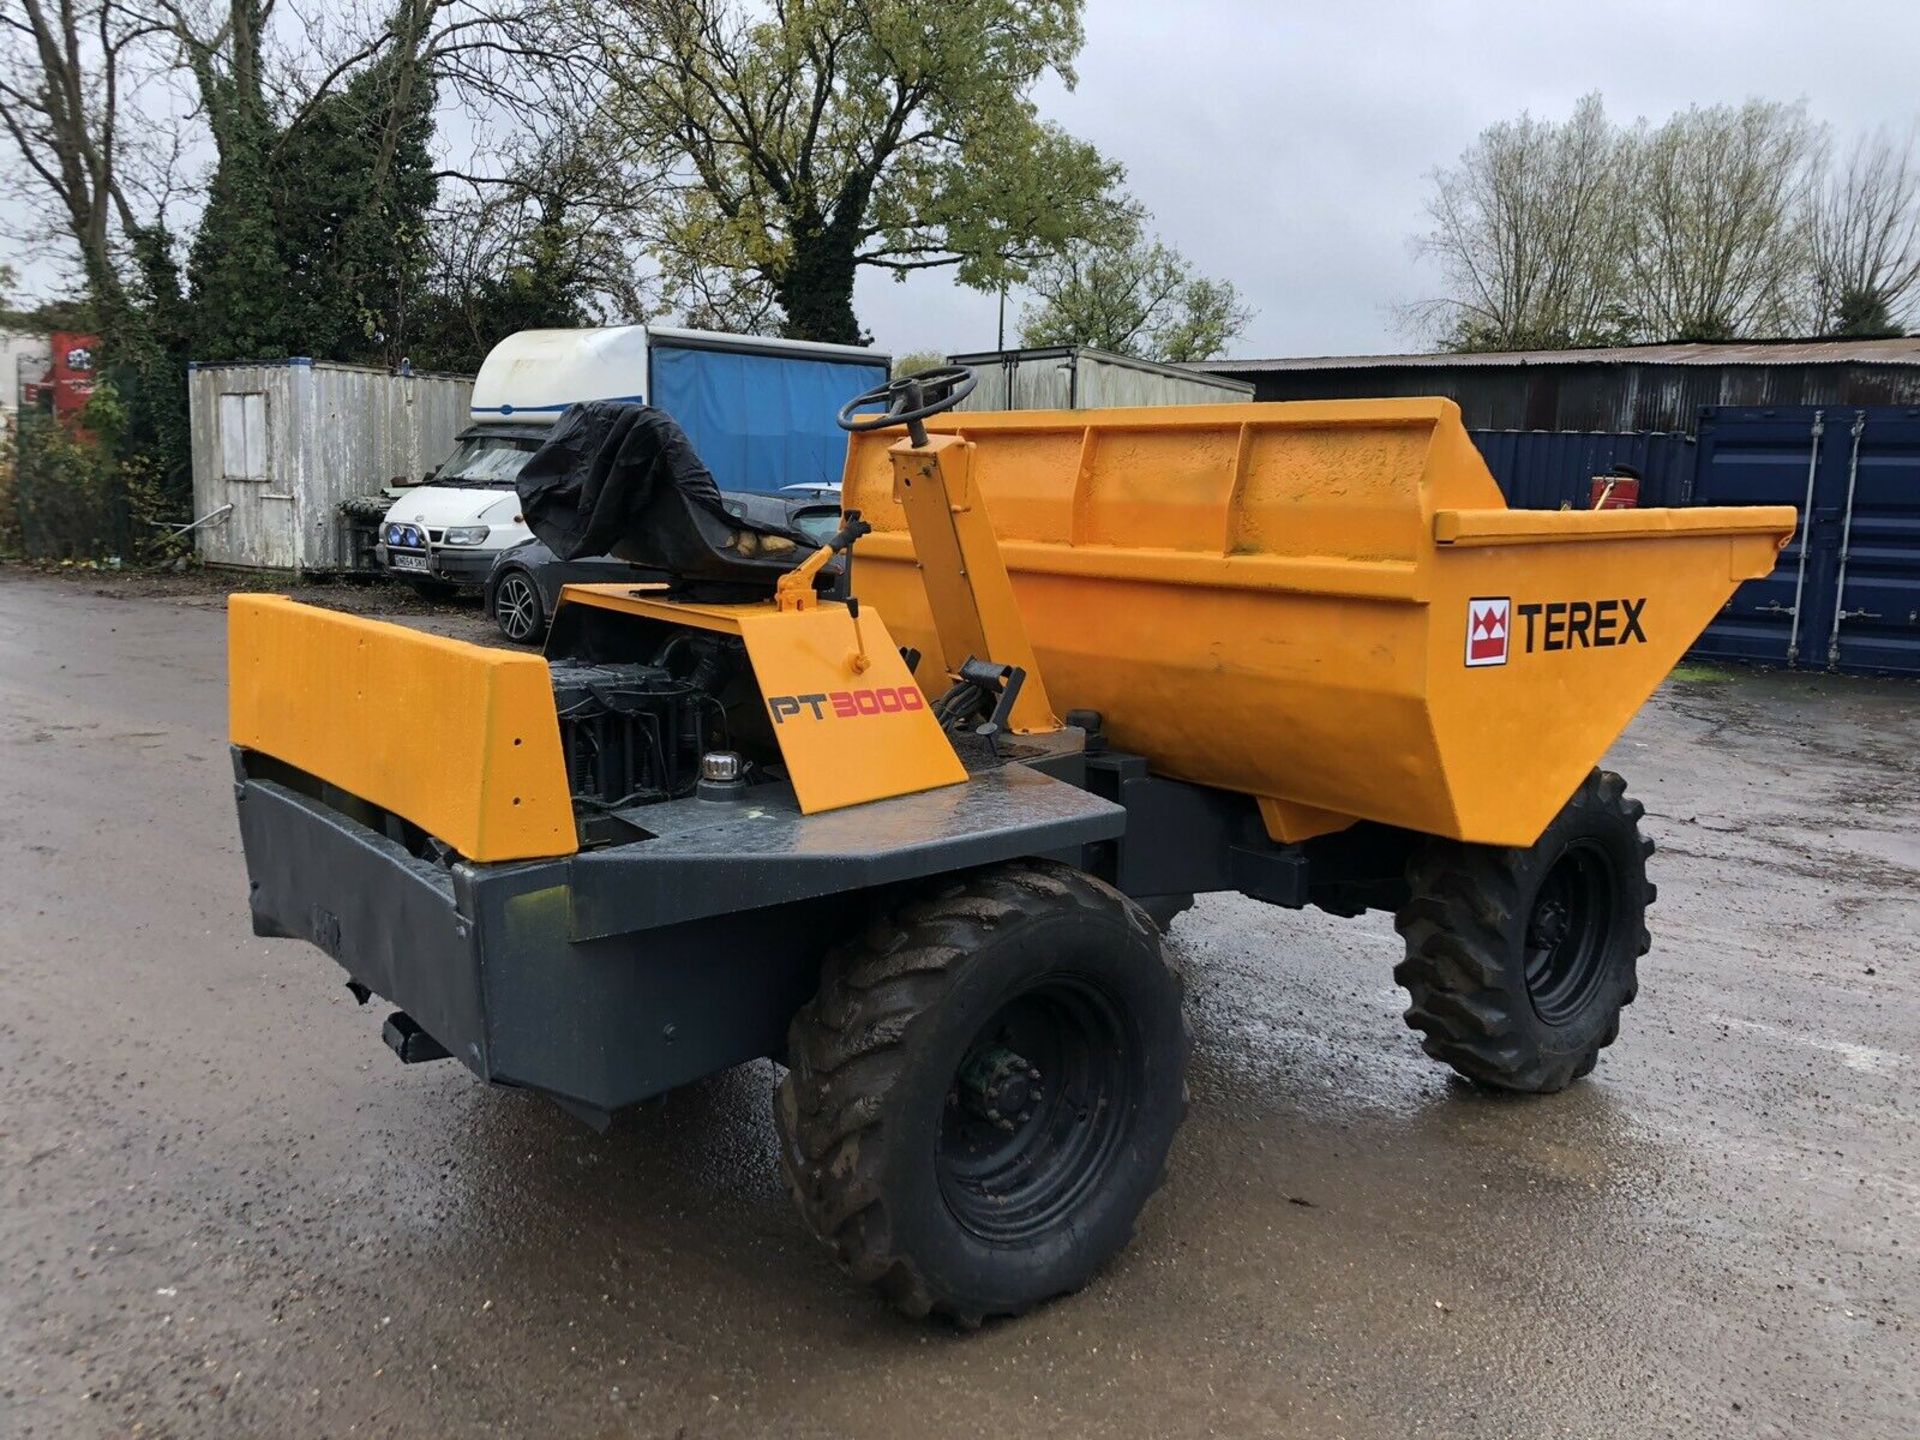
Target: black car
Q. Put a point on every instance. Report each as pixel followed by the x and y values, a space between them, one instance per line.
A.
pixel 524 584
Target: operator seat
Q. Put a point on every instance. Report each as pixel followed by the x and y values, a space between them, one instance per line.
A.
pixel 621 479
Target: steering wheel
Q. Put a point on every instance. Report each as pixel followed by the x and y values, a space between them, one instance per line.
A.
pixel 909 400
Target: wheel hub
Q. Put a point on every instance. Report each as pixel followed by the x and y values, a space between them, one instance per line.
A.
pixel 1000 1087
pixel 1037 1110
pixel 1569 933
pixel 1550 922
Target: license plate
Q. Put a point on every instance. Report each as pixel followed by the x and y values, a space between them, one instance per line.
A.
pixel 406 562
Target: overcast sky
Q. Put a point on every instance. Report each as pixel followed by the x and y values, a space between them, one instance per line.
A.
pixel 1286 146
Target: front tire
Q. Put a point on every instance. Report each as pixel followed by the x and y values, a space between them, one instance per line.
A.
pixel 984 1091
pixel 518 609
pixel 1519 961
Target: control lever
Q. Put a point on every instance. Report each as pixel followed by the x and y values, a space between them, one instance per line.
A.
pixel 852 527
pixel 981 684
pixel 794 590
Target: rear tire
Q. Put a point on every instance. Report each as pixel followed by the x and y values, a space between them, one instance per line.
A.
pixel 1519 961
pixel 1029 986
pixel 1164 909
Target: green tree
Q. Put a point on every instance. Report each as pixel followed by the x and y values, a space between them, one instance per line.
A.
pixel 1720 242
pixel 236 278
pixel 1139 297
pixel 352 186
pixel 916 361
pixel 813 138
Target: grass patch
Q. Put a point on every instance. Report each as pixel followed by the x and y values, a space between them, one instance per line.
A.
pixel 1701 672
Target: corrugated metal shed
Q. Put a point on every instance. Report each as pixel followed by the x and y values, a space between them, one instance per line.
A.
pixel 285 441
pixel 1639 387
pixel 1079 377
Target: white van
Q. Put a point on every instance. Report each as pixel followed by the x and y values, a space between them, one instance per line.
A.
pixel 760 413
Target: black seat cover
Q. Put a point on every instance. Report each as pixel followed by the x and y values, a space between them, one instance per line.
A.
pixel 615 478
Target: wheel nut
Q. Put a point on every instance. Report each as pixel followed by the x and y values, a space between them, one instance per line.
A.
pixel 1033 1074
pixel 1005 1124
pixel 993 1114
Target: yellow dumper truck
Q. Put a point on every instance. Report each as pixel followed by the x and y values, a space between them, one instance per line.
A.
pixel 910 813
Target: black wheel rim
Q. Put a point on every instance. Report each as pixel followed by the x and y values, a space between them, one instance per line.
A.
pixel 1038 1109
pixel 516 606
pixel 1569 932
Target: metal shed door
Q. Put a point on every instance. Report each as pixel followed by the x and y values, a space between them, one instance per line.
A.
pixel 263 520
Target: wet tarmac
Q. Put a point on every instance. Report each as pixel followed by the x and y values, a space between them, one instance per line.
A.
pixel 226 1210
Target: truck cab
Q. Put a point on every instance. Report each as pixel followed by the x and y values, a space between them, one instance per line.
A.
pixel 450 529
pixel 757 409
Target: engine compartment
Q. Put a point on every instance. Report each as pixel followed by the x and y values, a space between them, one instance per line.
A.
pixel 632 732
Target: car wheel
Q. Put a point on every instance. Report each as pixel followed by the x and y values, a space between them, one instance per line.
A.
pixel 518 609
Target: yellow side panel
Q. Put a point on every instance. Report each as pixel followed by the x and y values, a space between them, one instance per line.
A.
pixel 847 736
pixel 460 739
pixel 1577 630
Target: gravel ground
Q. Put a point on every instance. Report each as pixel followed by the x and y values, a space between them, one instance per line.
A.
pixel 225 1210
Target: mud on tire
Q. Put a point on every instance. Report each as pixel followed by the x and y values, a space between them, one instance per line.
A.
pixel 984 1091
pixel 1519 961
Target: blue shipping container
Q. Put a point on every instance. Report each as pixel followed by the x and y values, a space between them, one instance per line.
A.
pixel 1553 469
pixel 1846 593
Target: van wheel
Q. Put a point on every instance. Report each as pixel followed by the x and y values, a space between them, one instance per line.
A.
pixel 517 608
pixel 984 1091
pixel 1519 961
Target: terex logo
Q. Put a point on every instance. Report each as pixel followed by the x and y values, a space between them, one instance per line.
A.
pixel 1563 624
pixel 1487 631
pixel 1551 625
pixel 847 704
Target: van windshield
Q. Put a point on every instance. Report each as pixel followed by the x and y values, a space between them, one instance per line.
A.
pixel 485 461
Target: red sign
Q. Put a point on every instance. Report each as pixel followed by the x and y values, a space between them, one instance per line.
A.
pixel 70 377
pixel 1488 624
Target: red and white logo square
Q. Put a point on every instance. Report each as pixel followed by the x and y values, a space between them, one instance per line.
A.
pixel 1487 630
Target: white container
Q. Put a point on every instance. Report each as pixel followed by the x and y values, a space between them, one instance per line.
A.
pixel 284 442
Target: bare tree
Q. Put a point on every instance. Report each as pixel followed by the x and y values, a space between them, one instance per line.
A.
pixel 1719 244
pixel 65 69
pixel 551 233
pixel 1530 234
pixel 1864 225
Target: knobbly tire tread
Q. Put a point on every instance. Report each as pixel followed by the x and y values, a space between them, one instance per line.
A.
pixel 1464 905
pixel 848 1045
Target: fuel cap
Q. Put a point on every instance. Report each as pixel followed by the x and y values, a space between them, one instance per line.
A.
pixel 720 765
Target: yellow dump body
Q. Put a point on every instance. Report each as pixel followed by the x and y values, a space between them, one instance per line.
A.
pixel 1326 605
